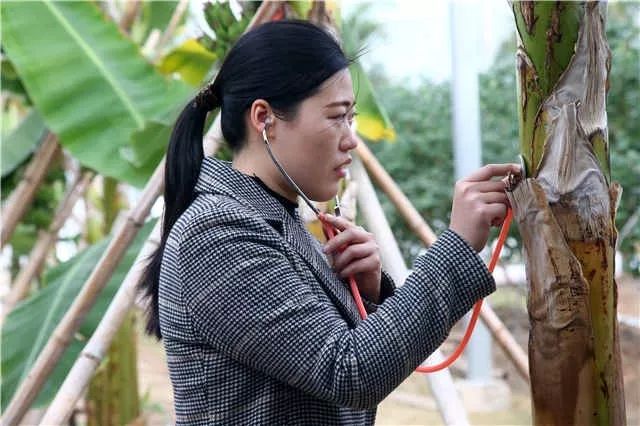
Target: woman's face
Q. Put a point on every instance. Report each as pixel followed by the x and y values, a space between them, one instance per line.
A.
pixel 314 147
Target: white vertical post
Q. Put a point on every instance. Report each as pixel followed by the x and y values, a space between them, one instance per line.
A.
pixel 464 17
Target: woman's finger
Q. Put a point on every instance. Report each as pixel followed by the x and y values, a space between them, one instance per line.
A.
pixel 366 265
pixel 486 186
pixel 493 197
pixel 352 253
pixel 340 223
pixel 494 213
pixel 492 170
pixel 348 237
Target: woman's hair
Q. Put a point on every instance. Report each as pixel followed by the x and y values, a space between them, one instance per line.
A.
pixel 281 62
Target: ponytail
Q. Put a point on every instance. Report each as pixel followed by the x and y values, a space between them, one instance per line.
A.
pixel 182 168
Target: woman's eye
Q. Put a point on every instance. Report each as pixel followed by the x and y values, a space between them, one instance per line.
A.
pixel 348 116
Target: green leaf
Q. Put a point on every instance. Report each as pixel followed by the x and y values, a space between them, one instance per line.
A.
pixel 372 120
pixel 90 83
pixel 148 145
pixel 28 327
pixel 155 15
pixel 10 78
pixel 24 238
pixel 301 7
pixel 191 60
pixel 20 143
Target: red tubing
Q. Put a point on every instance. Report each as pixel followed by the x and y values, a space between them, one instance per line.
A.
pixel 330 232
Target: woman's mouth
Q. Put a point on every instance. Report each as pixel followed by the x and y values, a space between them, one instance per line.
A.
pixel 342 169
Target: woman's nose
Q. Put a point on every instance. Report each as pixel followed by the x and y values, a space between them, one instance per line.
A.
pixel 349 142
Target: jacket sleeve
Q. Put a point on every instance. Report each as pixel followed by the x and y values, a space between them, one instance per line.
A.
pixel 387 288
pixel 246 299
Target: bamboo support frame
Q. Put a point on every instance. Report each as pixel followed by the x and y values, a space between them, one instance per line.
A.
pixel 46 239
pixel 64 331
pixel 498 330
pixel 94 351
pixel 124 235
pixel 20 199
pixel 91 356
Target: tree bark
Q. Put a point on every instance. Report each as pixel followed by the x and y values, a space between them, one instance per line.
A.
pixel 565 210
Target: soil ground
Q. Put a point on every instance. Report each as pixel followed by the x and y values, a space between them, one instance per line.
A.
pixel 411 403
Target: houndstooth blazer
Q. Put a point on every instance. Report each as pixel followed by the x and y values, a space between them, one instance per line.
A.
pixel 258 329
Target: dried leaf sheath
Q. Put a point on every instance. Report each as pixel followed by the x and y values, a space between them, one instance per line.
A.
pixel 565 213
pixel 561 354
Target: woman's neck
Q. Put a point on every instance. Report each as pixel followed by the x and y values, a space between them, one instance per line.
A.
pixel 261 166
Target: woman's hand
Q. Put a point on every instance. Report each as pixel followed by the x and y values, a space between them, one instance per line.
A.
pixel 479 203
pixel 354 251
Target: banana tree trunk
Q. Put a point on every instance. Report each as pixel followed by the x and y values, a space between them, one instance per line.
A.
pixel 565 210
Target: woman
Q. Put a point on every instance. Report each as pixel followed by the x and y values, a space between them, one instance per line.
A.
pixel 257 326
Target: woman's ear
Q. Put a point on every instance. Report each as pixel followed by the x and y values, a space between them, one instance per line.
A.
pixel 261 116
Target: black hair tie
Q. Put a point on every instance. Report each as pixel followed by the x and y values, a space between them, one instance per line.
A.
pixel 207 99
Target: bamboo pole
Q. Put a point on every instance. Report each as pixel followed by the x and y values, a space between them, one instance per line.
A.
pixel 46 239
pixel 450 405
pixel 415 222
pixel 91 356
pixel 131 10
pixel 178 13
pixel 506 341
pixel 112 396
pixel 498 330
pixel 94 351
pixel 63 333
pixel 20 199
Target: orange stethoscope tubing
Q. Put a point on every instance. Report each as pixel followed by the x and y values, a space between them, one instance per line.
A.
pixel 330 232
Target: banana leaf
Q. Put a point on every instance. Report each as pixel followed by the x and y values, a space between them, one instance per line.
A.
pixel 28 327
pixel 191 60
pixel 21 142
pixel 88 80
pixel 10 80
pixel 140 151
pixel 372 122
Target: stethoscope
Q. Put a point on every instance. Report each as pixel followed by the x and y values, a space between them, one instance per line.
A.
pixel 330 231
